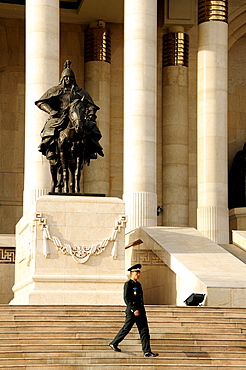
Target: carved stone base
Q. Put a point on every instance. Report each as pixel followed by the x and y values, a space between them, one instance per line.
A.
pixel 237 217
pixel 71 250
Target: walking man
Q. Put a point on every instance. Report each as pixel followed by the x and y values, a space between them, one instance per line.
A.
pixel 135 313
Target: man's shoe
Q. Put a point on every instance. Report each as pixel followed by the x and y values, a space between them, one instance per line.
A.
pixel 151 354
pixel 114 347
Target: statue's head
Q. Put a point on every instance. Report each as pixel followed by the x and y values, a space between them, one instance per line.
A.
pixel 68 72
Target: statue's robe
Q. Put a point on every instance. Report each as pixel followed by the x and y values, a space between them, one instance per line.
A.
pixel 58 99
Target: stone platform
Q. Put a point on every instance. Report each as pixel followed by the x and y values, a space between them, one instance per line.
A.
pixel 71 250
pixel 179 261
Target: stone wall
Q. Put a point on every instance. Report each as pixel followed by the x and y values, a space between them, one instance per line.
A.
pixel 12 90
pixel 7 267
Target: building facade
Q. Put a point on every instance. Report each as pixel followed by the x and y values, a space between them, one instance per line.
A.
pixel 169 77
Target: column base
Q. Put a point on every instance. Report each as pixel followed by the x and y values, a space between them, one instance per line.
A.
pixel 213 222
pixel 141 209
pixel 31 195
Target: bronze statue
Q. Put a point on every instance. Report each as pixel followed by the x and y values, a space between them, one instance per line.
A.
pixel 237 180
pixel 70 136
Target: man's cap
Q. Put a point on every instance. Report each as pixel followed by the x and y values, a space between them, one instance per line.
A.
pixel 136 267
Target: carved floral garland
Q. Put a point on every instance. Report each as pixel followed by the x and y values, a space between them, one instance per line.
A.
pixel 80 253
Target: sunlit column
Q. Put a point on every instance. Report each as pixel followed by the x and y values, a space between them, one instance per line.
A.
pixel 42 72
pixel 140 65
pixel 212 215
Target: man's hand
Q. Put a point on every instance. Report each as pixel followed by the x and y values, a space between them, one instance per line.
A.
pixel 136 313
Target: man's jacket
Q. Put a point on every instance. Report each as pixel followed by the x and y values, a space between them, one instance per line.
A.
pixel 133 296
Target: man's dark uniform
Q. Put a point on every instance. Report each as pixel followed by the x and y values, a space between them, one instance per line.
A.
pixel 133 297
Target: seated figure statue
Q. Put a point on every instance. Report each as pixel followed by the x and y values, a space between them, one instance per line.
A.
pixel 55 102
pixel 70 136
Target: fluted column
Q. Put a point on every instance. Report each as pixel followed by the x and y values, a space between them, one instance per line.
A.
pixel 140 64
pixel 97 83
pixel 212 215
pixel 175 128
pixel 42 71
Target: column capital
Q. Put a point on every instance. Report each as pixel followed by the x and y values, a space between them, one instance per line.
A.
pixel 98 43
pixel 175 49
pixel 212 10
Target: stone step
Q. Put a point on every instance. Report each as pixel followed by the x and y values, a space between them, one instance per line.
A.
pixel 136 360
pixel 157 321
pixel 91 335
pixel 77 310
pixel 126 345
pixel 96 342
pixel 49 353
pixel 77 337
pixel 110 307
pixel 21 330
pixel 190 315
pixel 113 329
pixel 162 310
pixel 115 312
pixel 122 367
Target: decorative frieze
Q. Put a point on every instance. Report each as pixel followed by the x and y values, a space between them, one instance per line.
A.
pixel 145 257
pixel 175 49
pixel 7 255
pixel 212 10
pixel 80 253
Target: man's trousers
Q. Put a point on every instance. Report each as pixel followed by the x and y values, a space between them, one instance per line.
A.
pixel 142 325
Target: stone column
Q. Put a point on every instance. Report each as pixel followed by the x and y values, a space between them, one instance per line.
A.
pixel 42 72
pixel 175 128
pixel 212 215
pixel 140 64
pixel 97 83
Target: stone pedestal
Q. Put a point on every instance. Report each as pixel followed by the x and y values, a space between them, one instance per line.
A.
pixel 237 217
pixel 71 250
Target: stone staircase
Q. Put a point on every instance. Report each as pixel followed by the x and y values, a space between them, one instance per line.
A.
pixel 77 337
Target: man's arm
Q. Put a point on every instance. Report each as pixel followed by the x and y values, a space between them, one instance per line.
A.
pixel 128 298
pixel 47 109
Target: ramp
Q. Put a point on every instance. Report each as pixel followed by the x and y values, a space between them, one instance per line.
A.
pixel 192 262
